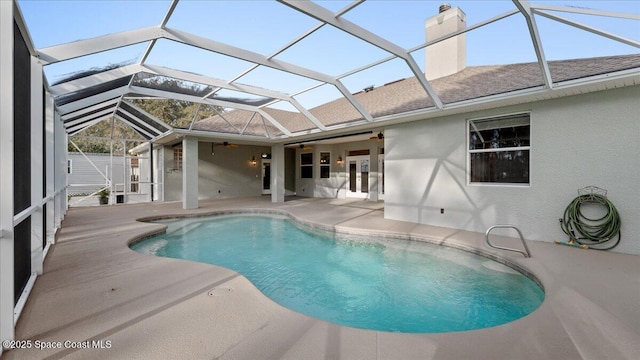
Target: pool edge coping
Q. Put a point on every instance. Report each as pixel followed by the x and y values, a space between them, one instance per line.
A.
pixel 451 243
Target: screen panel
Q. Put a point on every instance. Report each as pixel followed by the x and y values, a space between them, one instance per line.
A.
pixel 21 160
pixel 21 257
pixel 21 123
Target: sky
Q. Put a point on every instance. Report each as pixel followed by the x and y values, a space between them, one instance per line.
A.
pixel 265 27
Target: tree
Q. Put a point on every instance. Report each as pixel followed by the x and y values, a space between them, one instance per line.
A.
pixel 97 138
pixel 173 112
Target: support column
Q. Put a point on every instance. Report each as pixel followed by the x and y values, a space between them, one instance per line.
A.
pixel 59 169
pixel 50 174
pixel 150 177
pixel 63 170
pixel 6 169
pixel 189 172
pixel 125 177
pixel 37 167
pixel 373 171
pixel 159 177
pixel 277 173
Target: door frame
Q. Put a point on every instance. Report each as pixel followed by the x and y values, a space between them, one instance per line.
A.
pixel 358 193
pixel 262 172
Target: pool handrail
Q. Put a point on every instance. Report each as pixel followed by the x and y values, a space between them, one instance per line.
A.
pixel 526 251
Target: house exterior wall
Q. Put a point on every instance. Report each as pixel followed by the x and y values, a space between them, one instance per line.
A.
pixel 336 185
pixel 225 174
pixel 83 172
pixel 576 142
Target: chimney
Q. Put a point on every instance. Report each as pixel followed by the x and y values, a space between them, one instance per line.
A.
pixel 449 56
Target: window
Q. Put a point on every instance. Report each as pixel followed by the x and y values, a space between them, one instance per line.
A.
pixel 325 165
pixel 499 150
pixel 177 158
pixel 306 165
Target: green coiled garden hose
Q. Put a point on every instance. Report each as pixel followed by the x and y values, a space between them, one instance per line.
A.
pixel 595 233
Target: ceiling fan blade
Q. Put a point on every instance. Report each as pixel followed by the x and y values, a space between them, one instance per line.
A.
pixel 226 144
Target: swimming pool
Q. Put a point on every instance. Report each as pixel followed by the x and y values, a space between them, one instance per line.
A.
pixel 371 283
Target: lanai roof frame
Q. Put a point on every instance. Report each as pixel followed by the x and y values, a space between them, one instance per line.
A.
pixel 151 34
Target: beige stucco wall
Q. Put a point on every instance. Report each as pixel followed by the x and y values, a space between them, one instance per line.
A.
pixel 227 173
pixel 578 141
pixel 336 185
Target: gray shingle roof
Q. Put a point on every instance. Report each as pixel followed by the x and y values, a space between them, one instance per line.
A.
pixel 407 94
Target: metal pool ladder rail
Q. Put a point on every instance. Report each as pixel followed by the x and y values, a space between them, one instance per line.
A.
pixel 526 252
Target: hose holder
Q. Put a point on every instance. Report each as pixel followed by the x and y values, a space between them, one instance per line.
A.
pixel 592 194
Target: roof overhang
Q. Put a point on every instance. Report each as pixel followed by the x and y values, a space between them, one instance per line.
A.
pixel 541 93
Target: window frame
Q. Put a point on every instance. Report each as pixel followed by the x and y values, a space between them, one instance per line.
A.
pixel 325 165
pixel 505 149
pixel 177 160
pixel 302 174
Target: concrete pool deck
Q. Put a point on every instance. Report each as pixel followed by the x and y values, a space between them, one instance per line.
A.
pixel 97 292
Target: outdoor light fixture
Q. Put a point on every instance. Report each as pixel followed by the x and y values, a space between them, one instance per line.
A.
pixel 253 161
pixel 264 155
pixel 339 161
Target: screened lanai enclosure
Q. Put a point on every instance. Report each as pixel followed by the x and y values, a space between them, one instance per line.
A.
pixel 293 70
pixel 185 100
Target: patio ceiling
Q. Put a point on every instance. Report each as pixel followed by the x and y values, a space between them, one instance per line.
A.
pixel 253 110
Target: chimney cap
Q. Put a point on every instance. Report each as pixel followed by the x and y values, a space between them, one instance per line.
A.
pixel 444 7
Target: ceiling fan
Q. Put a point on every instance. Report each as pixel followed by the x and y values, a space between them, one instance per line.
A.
pixel 225 144
pixel 378 137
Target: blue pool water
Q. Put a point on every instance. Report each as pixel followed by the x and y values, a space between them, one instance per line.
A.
pixel 371 283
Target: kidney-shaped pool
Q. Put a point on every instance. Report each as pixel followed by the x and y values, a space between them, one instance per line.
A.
pixel 372 283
